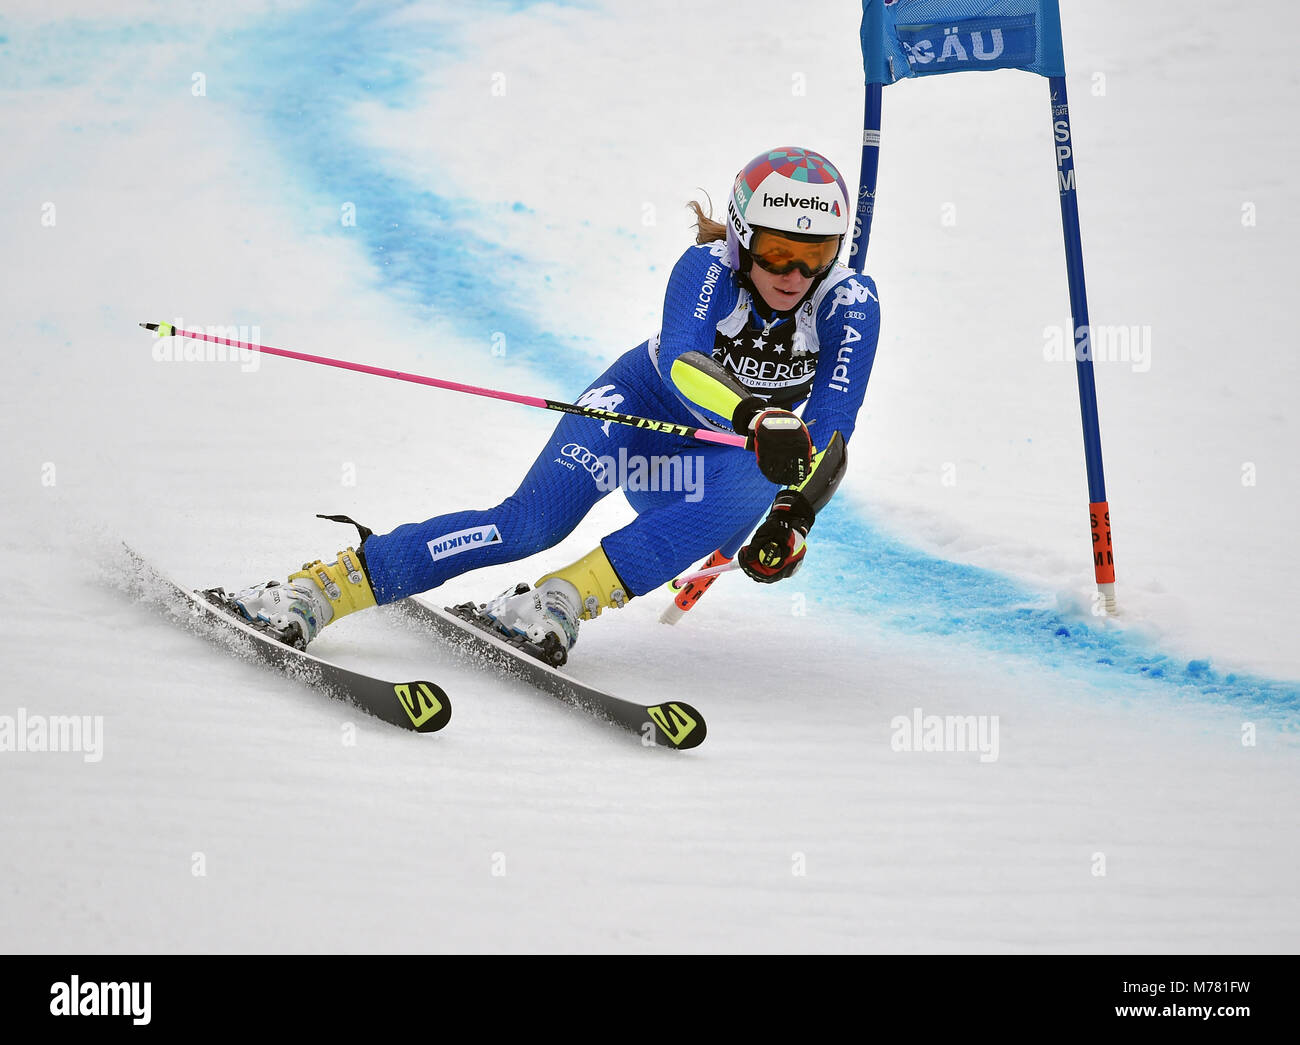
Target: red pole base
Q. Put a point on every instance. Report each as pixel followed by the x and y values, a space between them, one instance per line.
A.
pixel 1103 554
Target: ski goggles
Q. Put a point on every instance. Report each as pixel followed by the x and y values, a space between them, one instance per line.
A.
pixel 779 252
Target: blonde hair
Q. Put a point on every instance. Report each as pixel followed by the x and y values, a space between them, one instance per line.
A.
pixel 706 229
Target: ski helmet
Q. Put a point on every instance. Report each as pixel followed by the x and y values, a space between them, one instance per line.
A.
pixel 793 191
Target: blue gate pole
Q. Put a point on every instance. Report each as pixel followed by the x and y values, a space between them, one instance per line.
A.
pixel 1098 508
pixel 867 177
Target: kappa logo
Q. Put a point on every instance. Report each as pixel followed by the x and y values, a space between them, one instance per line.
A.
pixel 602 398
pixel 463 541
pixel 589 461
pixel 851 293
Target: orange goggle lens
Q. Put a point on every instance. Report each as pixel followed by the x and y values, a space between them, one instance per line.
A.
pixel 779 254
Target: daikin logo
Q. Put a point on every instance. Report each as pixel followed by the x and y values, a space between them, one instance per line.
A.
pixel 463 541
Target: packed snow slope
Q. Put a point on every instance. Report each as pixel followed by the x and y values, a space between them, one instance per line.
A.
pixel 495 194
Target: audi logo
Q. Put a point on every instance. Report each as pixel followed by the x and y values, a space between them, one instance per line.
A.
pixel 588 460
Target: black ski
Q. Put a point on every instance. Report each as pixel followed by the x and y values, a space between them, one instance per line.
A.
pixel 419 706
pixel 673 724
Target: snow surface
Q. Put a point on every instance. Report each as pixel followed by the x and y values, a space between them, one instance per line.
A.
pixel 519 173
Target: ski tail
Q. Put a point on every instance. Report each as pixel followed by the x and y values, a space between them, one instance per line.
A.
pixel 420 706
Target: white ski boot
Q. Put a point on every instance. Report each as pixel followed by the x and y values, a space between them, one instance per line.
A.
pixel 296 610
pixel 320 592
pixel 552 609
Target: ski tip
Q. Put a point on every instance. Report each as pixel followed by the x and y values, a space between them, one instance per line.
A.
pixel 426 705
pixel 678 725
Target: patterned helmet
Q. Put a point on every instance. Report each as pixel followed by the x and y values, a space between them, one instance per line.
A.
pixel 787 190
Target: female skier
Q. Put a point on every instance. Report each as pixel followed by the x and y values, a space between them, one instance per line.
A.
pixel 759 318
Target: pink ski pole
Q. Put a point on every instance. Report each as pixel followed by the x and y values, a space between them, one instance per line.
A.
pixel 669 427
pixel 711 571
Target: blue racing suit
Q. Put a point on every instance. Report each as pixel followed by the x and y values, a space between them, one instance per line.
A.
pixel 690 497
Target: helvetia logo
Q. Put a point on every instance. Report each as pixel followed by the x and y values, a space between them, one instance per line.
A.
pixel 463 541
pixel 802 202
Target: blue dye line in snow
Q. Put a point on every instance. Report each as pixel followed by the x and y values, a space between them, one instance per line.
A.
pixel 300 73
pixel 911 591
pixel 302 70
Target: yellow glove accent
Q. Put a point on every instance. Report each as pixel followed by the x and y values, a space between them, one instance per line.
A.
pixel 817 459
pixel 827 471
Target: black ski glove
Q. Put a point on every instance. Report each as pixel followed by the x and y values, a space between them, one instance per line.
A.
pixel 777 548
pixel 779 439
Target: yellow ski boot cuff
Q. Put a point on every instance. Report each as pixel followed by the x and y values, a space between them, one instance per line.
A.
pixel 596 582
pixel 343 581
